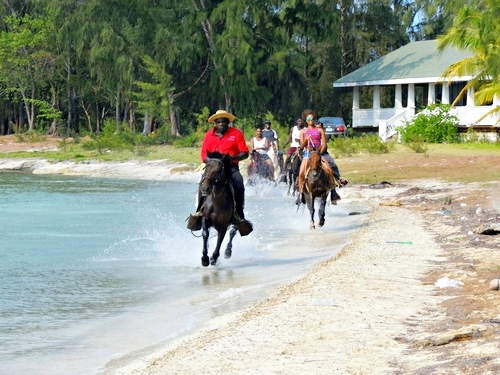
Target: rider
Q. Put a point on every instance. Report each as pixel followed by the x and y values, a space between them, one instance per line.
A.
pixel 261 145
pixel 314 139
pixel 270 134
pixel 272 137
pixel 336 172
pixel 226 140
pixel 294 138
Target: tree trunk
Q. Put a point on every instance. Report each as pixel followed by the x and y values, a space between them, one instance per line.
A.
pixel 55 104
pixel 174 129
pixel 117 107
pixel 146 129
pixel 343 53
pixel 68 95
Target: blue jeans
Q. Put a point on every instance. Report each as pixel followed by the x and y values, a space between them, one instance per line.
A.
pixel 325 155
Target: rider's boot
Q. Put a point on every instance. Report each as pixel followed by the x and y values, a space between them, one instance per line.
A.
pixel 334 196
pixel 300 197
pixel 244 226
pixel 194 221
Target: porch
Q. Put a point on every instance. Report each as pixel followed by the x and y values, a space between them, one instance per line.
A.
pixel 410 98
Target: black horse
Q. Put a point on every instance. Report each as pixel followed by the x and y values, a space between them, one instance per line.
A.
pixel 293 167
pixel 316 185
pixel 219 205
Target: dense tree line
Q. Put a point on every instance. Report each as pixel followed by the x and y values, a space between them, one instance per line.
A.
pixel 70 67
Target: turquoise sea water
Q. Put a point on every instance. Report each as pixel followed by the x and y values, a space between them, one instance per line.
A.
pixel 98 270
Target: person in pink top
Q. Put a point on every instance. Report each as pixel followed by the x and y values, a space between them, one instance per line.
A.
pixel 313 138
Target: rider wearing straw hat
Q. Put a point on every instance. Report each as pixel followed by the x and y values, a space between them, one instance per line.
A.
pixel 226 140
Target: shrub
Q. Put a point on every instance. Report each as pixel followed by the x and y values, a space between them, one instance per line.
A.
pixel 351 146
pixel 434 124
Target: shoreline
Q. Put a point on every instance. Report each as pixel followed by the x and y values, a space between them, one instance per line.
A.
pixel 156 170
pixel 372 309
pixel 342 317
pixel 365 311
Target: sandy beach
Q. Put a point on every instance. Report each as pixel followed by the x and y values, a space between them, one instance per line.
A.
pixel 410 294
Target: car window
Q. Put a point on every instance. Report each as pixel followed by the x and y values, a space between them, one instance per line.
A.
pixel 331 120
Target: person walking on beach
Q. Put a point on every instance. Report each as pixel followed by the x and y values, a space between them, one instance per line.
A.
pixel 226 140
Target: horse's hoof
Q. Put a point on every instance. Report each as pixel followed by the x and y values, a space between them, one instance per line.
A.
pixel 213 261
pixel 204 261
pixel 321 222
pixel 228 254
pixel 312 226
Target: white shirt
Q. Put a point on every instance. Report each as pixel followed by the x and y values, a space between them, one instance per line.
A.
pixel 295 135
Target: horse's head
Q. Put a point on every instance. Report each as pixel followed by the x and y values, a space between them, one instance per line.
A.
pixel 217 171
pixel 314 164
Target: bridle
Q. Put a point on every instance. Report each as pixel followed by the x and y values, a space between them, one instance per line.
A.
pixel 220 177
pixel 318 171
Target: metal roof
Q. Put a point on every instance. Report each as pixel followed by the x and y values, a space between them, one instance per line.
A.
pixel 416 62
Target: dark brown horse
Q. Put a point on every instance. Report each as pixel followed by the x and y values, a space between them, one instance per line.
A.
pixel 218 208
pixel 293 167
pixel 316 186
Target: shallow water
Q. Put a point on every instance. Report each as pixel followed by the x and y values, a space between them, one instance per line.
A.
pixel 97 269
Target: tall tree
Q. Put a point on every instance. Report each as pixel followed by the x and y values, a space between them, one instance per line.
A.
pixel 477 29
pixel 24 53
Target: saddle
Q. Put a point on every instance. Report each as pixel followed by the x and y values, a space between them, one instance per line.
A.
pixel 245 227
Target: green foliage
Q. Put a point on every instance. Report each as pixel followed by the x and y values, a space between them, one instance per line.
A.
pixel 111 138
pixel 419 147
pixel 354 145
pixel 434 124
pixel 153 98
pixel 191 140
pixel 476 29
pixel 45 111
pixel 31 137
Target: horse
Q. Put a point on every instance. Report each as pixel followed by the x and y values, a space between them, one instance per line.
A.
pixel 258 169
pixel 293 167
pixel 316 185
pixel 219 206
pixel 273 153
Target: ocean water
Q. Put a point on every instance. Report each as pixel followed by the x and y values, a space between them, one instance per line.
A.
pixel 93 272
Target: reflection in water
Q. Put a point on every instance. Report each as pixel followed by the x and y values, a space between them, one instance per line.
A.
pixel 218 277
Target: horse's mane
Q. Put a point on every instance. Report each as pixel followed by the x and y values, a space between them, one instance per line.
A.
pixel 315 158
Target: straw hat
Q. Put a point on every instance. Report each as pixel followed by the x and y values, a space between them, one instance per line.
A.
pixel 221 114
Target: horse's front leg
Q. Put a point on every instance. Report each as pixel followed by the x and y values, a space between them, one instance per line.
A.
pixel 216 253
pixel 310 205
pixel 205 233
pixel 229 247
pixel 289 183
pixel 321 211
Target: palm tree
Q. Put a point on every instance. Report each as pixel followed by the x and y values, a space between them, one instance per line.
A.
pixel 476 29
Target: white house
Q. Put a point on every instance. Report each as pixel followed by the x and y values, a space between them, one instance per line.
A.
pixel 412 78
